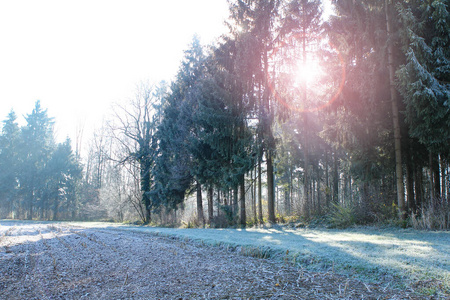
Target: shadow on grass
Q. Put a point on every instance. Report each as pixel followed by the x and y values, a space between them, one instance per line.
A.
pixel 404 256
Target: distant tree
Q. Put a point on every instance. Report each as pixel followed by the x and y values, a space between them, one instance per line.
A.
pixel 64 173
pixel 37 143
pixel 9 165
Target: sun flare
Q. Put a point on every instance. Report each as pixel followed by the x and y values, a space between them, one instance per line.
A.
pixel 308 72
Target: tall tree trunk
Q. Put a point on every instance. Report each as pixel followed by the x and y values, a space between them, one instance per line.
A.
pixel 443 176
pixel 270 186
pixel 432 185
pixel 335 178
pixel 30 207
pixel 409 179
pixel 395 118
pixel 319 200
pixel 410 187
pixel 253 188
pixel 306 195
pixel 210 204
pixel 200 217
pixel 145 187
pixel 55 210
pixel 235 200
pixel 270 141
pixel 260 214
pixel 243 217
pixel 418 187
pixel 327 181
pixel 437 178
pixel 286 201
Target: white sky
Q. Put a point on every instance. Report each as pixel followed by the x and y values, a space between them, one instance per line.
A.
pixel 79 57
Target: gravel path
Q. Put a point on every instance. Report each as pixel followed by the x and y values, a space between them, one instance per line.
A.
pixel 57 261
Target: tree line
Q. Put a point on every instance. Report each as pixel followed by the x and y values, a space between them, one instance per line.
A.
pixel 366 141
pixel 39 177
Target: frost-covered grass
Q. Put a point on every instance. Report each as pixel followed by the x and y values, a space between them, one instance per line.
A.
pixel 403 254
pixel 408 256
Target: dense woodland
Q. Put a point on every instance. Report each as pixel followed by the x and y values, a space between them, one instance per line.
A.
pixel 241 137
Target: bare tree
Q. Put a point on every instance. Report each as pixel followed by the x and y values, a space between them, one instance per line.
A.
pixel 134 129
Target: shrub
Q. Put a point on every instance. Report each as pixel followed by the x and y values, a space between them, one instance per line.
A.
pixel 341 216
pixel 433 216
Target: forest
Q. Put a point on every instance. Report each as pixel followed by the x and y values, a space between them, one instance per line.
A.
pixel 291 116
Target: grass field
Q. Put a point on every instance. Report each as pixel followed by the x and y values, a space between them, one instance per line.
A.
pixel 416 259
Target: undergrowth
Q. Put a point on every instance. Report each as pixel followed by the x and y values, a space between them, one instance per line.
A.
pixel 433 216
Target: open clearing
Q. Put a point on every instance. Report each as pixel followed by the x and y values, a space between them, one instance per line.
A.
pixel 46 260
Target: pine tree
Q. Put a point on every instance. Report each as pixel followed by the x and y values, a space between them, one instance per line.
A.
pixel 63 174
pixel 9 168
pixel 37 143
pixel 173 166
pixel 395 113
pixel 424 79
pixel 359 121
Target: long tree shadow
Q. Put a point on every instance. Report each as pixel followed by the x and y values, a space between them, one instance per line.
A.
pixel 397 254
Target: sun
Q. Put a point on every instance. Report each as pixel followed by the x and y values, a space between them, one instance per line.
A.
pixel 308 72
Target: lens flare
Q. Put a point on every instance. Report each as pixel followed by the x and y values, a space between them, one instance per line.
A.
pixel 307 74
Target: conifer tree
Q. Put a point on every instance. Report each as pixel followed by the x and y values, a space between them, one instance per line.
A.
pixel 37 144
pixel 360 118
pixel 9 165
pixel 424 79
pixel 64 172
pixel 173 176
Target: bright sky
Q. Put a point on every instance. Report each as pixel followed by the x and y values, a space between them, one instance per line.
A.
pixel 79 57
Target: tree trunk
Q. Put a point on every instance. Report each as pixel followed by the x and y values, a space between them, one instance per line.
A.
pixel 395 119
pixel 418 188
pixel 243 217
pixel 437 179
pixel 210 204
pixel 411 204
pixel 145 186
pixel 410 187
pixel 443 174
pixel 260 214
pixel 432 186
pixel 335 178
pixel 270 187
pixel 200 217
pixel 327 181
pixel 253 188
pixel 55 210
pixel 30 207
pixel 319 200
pixel 235 201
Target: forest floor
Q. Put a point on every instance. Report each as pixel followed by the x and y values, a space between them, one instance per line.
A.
pixel 47 260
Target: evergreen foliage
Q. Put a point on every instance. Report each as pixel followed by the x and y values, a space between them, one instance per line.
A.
pixel 39 178
pixel 424 79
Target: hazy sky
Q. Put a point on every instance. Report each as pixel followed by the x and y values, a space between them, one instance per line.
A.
pixel 79 57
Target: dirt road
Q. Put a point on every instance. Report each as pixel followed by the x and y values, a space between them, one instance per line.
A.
pixel 58 261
